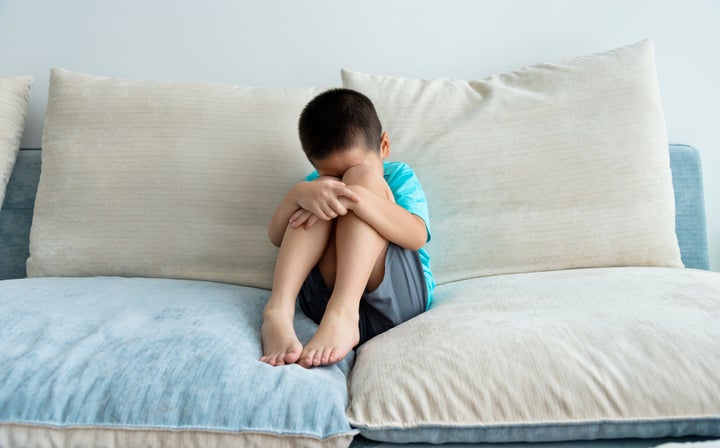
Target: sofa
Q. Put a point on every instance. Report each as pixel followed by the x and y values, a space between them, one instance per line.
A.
pixel 574 304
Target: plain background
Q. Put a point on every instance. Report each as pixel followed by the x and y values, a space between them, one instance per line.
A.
pixel 303 43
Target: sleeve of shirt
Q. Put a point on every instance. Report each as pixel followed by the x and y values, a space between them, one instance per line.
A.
pixel 409 193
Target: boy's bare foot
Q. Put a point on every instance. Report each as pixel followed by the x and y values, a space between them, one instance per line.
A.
pixel 337 334
pixel 280 343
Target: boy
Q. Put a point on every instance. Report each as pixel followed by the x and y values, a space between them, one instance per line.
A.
pixel 350 238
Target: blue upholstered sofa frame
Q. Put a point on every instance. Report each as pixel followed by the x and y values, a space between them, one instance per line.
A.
pixel 17 211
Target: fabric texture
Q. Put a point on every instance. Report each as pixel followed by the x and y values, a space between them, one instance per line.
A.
pixel 163 179
pixel 155 362
pixel 555 166
pixel 16 214
pixel 690 223
pixel 549 356
pixel 409 194
pixel 14 93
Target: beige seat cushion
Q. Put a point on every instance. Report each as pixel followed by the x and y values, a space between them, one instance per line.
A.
pixel 547 356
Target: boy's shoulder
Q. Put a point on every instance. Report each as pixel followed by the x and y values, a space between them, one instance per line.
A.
pixel 402 180
pixel 395 168
pixel 398 172
pixel 396 165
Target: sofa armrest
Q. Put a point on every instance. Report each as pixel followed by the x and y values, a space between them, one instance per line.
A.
pixel 690 224
pixel 16 214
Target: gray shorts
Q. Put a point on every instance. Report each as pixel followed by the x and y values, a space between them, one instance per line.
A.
pixel 402 294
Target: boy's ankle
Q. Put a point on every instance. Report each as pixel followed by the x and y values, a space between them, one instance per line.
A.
pixel 278 312
pixel 343 311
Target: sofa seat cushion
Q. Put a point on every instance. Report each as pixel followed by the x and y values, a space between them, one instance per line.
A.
pixel 551 356
pixel 155 362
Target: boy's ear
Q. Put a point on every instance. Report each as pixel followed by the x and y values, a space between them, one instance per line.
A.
pixel 384 145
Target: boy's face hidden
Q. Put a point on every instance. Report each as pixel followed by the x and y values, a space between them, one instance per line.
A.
pixel 337 163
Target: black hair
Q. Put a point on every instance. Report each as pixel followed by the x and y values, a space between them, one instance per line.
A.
pixel 336 120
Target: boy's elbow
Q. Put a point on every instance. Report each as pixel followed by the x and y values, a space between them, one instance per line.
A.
pixel 419 238
pixel 417 244
pixel 274 238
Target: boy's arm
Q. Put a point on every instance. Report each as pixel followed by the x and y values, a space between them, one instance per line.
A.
pixel 390 220
pixel 324 197
pixel 279 220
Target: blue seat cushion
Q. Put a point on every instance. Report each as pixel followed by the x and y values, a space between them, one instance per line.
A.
pixel 126 361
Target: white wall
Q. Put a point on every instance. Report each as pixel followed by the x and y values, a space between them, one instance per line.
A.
pixel 277 43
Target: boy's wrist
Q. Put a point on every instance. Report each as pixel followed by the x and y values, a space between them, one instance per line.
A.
pixel 296 192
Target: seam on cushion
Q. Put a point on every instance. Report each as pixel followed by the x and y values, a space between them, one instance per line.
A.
pixel 239 433
pixel 578 423
pixel 160 428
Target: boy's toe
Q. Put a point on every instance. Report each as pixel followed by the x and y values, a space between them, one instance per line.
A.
pixel 317 358
pixel 292 356
pixel 305 359
pixel 326 356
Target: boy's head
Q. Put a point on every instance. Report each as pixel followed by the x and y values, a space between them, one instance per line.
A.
pixel 338 120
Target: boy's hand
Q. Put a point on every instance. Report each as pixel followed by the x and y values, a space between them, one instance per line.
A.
pixel 304 217
pixel 324 198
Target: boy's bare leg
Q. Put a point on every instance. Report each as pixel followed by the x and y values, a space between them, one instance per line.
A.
pixel 360 265
pixel 299 252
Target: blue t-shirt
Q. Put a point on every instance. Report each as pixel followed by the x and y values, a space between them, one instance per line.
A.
pixel 409 195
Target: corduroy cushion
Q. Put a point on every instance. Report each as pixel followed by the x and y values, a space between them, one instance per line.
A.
pixel 555 166
pixel 549 356
pixel 14 92
pixel 163 179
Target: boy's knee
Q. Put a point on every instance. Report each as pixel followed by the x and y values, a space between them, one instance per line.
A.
pixel 367 177
pixel 361 175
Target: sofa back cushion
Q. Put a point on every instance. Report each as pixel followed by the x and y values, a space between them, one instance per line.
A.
pixel 14 92
pixel 555 166
pixel 163 179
